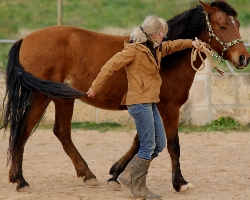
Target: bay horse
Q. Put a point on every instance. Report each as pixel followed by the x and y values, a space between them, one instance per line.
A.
pixel 59 63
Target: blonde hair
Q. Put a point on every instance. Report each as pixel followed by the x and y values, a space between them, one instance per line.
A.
pixel 151 25
pixel 164 25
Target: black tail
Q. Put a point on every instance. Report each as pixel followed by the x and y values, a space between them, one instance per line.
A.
pixel 21 88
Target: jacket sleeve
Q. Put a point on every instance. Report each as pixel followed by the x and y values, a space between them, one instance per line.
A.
pixel 119 60
pixel 170 47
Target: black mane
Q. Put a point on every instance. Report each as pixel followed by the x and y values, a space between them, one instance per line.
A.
pixel 189 25
pixel 225 7
pixel 186 25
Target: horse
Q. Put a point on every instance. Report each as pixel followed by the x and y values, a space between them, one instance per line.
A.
pixel 58 64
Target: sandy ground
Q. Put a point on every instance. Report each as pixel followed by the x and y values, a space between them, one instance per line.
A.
pixel 217 164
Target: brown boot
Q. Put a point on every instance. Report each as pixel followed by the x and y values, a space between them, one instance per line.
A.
pixel 125 176
pixel 139 174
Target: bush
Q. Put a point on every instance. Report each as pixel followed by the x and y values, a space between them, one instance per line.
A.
pixel 225 124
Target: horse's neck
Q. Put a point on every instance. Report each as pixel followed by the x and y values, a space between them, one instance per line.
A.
pixel 178 78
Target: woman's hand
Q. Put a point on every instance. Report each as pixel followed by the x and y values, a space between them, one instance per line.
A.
pixel 91 93
pixel 198 44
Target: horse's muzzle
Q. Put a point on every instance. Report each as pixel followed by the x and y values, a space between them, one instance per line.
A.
pixel 243 62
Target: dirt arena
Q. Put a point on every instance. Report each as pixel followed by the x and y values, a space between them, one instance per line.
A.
pixel 217 164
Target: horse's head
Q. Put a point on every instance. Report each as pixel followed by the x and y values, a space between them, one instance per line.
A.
pixel 223 33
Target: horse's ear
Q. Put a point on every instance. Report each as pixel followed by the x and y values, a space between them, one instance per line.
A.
pixel 207 8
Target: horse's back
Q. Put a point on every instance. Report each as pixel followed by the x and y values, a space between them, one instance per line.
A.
pixel 58 52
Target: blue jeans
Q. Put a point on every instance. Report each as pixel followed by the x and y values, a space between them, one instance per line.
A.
pixel 149 129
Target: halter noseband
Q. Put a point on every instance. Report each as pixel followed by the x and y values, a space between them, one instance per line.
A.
pixel 225 45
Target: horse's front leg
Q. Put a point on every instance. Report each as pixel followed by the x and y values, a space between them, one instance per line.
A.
pixel 170 117
pixel 120 165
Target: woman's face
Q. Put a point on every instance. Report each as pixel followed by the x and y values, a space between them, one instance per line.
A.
pixel 159 36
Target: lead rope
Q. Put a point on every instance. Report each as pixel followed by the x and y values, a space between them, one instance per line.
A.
pixel 209 53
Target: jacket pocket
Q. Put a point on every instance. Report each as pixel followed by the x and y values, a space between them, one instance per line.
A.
pixel 134 109
pixel 136 86
pixel 142 85
pixel 146 82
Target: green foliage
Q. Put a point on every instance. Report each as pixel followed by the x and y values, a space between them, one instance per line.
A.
pixel 225 124
pixel 95 14
pixel 243 9
pixel 102 127
pixel 4 50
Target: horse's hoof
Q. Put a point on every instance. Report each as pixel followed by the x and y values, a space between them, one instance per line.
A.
pixel 187 187
pixel 91 182
pixel 114 185
pixel 24 189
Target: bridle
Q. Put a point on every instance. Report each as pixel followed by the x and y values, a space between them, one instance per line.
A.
pixel 225 45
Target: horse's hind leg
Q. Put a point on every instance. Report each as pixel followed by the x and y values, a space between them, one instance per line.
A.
pixel 62 130
pixel 16 172
pixel 120 165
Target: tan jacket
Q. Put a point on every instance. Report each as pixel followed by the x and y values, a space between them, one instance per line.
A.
pixel 144 80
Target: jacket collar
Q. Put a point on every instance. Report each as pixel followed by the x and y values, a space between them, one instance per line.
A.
pixel 142 47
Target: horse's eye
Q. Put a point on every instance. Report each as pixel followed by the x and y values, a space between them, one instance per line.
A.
pixel 222 27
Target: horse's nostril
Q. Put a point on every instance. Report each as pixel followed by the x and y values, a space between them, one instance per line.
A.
pixel 242 60
pixel 248 61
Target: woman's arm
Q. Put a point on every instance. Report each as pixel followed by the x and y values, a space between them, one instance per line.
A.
pixel 172 46
pixel 119 60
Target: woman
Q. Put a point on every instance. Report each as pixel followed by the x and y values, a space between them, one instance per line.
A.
pixel 141 58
